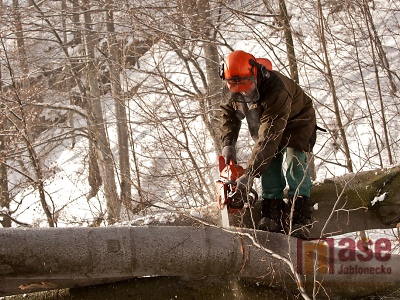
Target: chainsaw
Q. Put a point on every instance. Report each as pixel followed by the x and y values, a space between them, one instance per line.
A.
pixel 229 201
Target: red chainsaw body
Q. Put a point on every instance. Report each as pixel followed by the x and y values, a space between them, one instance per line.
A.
pixel 225 183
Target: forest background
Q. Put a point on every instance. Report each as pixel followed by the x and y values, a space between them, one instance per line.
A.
pixel 110 109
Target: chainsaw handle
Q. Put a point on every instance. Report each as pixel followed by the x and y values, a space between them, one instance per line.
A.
pixel 235 195
pixel 253 191
pixel 226 181
pixel 232 193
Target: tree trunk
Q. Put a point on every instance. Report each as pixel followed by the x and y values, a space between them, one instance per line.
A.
pixel 64 20
pixel 120 112
pixel 94 178
pixel 4 194
pixel 76 27
pixel 20 37
pixel 294 74
pixel 96 111
pixel 87 256
pixel 204 25
pixel 213 122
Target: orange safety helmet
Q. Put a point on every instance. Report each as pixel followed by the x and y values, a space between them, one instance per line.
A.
pixel 240 70
pixel 237 65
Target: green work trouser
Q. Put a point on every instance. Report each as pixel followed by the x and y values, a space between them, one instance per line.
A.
pixel 298 178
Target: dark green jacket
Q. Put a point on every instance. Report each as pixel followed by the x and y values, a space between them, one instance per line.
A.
pixel 282 117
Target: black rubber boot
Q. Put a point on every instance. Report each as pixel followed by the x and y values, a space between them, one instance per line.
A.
pixel 271 215
pixel 302 217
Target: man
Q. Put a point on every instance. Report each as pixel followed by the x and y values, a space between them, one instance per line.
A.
pixel 281 120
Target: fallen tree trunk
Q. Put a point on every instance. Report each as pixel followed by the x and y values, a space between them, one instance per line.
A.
pixel 345 204
pixel 40 259
pixel 44 259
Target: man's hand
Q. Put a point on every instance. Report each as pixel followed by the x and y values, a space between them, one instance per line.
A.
pixel 229 153
pixel 244 185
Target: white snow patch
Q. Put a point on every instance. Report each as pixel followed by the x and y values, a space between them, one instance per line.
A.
pixel 378 199
pixel 196 213
pixel 148 221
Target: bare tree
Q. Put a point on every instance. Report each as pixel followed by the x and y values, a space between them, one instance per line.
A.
pixel 97 120
pixel 367 98
pixel 120 108
pixel 25 134
pixel 204 23
pixel 329 77
pixel 4 194
pixel 376 43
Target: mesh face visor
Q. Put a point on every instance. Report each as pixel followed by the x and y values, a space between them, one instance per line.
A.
pixel 242 89
pixel 239 84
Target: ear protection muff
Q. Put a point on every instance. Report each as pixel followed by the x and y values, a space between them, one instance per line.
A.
pixel 261 69
pixel 221 71
pixel 264 71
